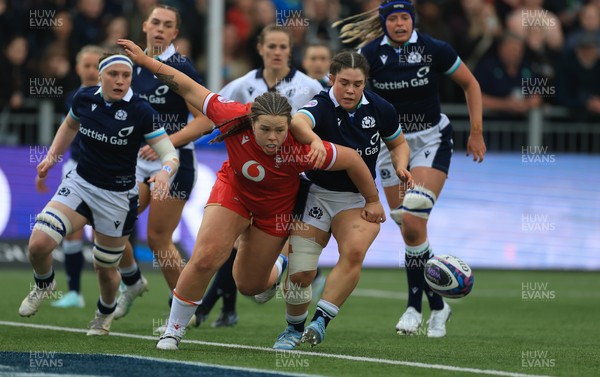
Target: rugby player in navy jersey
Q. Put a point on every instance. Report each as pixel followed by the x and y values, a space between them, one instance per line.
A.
pixel 86 67
pixel 161 28
pixel 348 115
pixel 406 69
pixel 101 191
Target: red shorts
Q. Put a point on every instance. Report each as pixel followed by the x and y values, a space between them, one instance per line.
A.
pixel 222 194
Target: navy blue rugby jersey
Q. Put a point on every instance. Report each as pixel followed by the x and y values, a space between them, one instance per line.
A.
pixel 172 110
pixel 110 135
pixel 409 77
pixel 74 147
pixel 375 118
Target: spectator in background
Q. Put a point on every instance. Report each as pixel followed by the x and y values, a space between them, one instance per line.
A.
pixel 240 16
pixel 578 79
pixel 88 23
pixel 321 14
pixel 117 28
pixel 56 67
pixel 474 26
pixel 431 19
pixel 501 78
pixel 589 22
pixel 137 16
pixel 316 61
pixel 235 64
pixel 195 21
pixel 542 32
pixel 263 15
pixel 8 22
pixel 13 73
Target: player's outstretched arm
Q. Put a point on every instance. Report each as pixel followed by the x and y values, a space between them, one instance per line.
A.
pixel 179 82
pixel 349 160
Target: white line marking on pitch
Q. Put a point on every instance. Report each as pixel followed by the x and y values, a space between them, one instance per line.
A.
pixel 308 353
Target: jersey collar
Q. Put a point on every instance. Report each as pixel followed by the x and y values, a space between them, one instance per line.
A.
pixel 287 78
pixel 166 54
pixel 127 97
pixel 413 39
pixel 363 100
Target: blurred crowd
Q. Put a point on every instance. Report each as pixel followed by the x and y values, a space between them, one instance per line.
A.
pixel 524 53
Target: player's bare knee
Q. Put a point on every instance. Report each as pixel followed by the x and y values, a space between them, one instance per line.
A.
pixel 158 240
pixel 38 247
pixel 353 255
pixel 413 229
pixel 207 259
pixel 251 288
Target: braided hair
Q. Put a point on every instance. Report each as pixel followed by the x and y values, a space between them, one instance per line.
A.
pixel 269 103
pixel 366 26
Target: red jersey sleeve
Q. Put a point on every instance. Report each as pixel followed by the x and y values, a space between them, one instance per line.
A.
pixel 220 110
pixel 330 156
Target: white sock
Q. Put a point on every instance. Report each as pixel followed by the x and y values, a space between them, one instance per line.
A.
pixel 181 313
pixel 279 265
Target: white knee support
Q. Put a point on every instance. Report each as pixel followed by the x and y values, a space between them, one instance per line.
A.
pixel 54 223
pixel 304 256
pixel 295 294
pixel 107 257
pixel 419 202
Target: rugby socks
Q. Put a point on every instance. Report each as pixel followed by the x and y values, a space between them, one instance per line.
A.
pixel 73 263
pixel 415 259
pixel 296 321
pixel 105 308
pixel 436 302
pixel 44 280
pixel 327 310
pixel 130 275
pixel 182 311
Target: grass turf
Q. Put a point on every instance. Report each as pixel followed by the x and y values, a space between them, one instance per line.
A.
pixel 528 322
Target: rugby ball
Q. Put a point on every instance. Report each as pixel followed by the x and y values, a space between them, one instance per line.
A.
pixel 449 276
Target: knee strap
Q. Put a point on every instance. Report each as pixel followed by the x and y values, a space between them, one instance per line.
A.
pixel 304 256
pixel 54 223
pixel 107 257
pixel 419 202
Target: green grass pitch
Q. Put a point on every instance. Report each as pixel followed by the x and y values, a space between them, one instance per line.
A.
pixel 513 323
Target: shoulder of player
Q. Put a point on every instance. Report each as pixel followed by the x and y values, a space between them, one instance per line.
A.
pixel 431 43
pixel 371 47
pixel 376 100
pixel 319 102
pixel 240 82
pixel 305 79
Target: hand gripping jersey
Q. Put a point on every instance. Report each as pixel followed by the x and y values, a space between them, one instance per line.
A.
pixel 409 77
pixel 110 136
pixel 374 119
pixel 264 184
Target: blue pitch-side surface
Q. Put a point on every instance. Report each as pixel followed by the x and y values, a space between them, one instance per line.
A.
pixel 17 364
